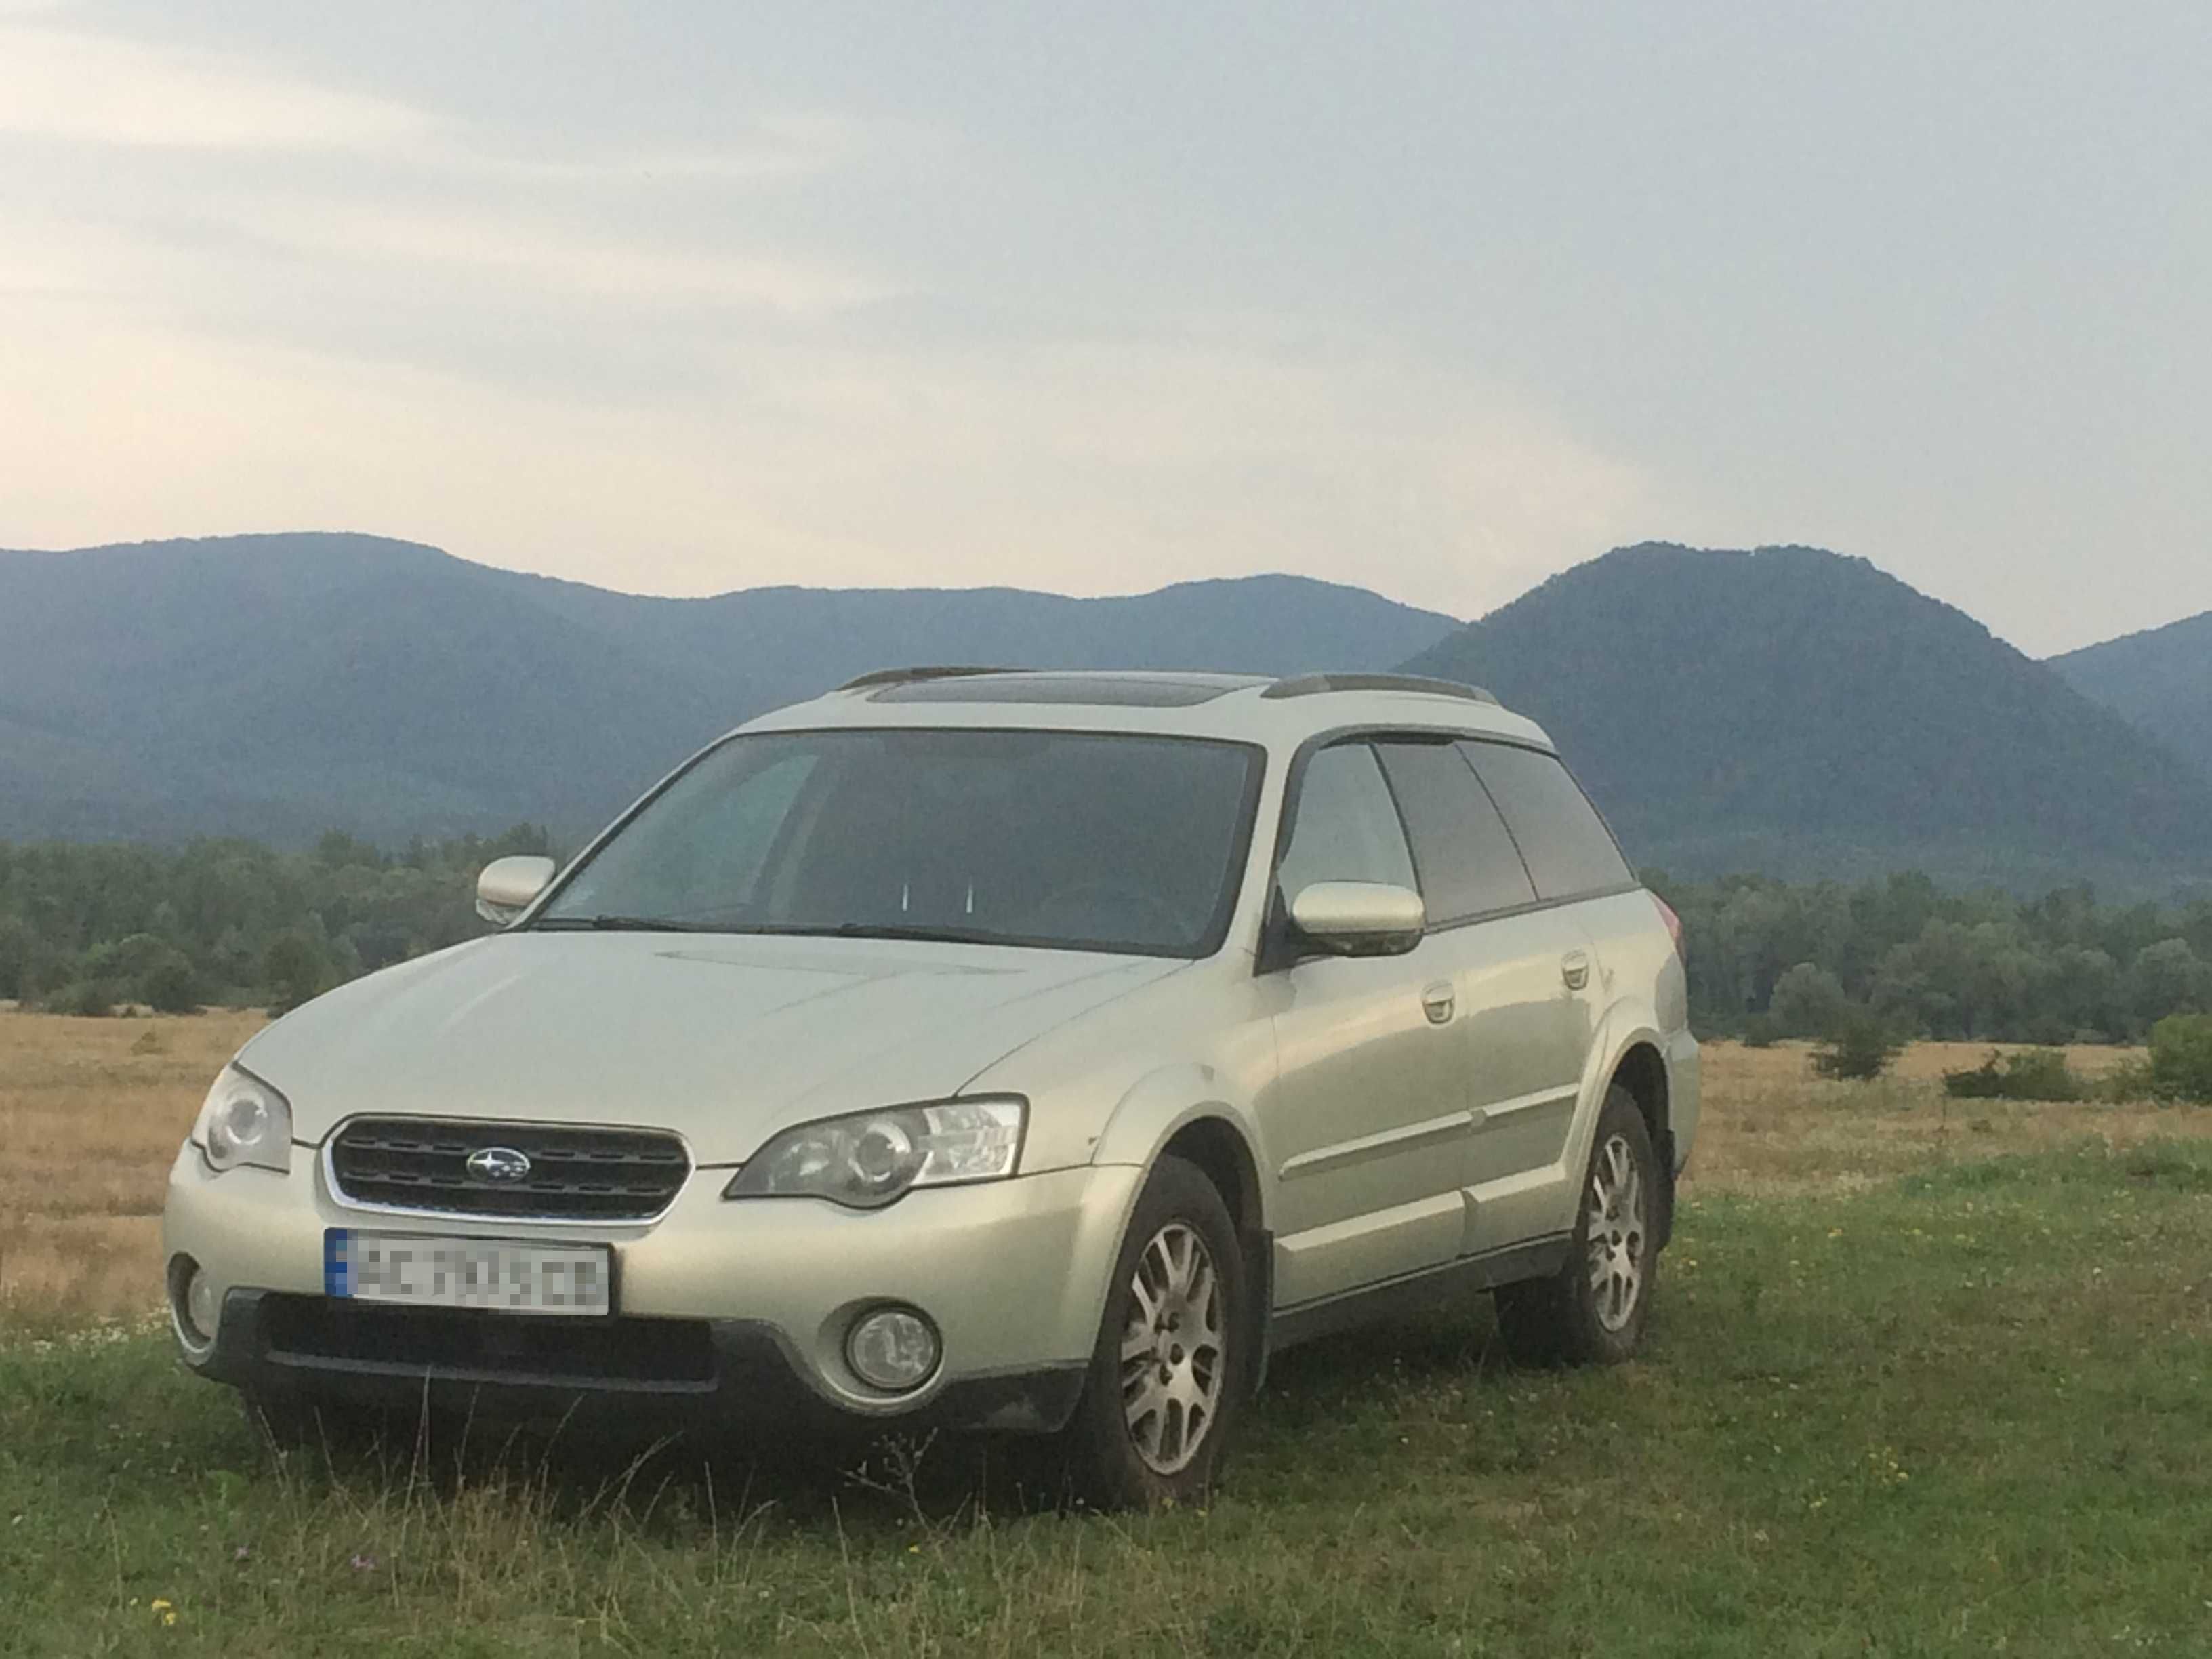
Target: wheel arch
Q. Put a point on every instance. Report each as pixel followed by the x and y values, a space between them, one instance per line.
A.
pixel 1181 1111
pixel 1630 1051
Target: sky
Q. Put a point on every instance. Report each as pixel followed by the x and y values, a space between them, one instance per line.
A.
pixel 1437 300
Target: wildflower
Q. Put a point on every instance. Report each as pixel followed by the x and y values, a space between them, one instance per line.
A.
pixel 363 1563
pixel 162 1609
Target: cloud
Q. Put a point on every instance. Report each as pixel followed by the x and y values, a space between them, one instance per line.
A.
pixel 1099 467
pixel 97 89
pixel 518 253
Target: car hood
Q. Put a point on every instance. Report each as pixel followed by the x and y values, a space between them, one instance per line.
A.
pixel 725 1039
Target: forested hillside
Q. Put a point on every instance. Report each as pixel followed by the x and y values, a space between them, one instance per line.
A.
pixel 1799 713
pixel 271 686
pixel 2161 680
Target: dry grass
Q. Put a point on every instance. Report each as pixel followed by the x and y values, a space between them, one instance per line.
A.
pixel 91 1114
pixel 1771 1126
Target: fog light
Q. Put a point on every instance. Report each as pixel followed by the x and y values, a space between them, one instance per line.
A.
pixel 894 1349
pixel 192 1292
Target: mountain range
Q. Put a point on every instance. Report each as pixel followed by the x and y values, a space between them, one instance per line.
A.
pixel 275 686
pixel 1785 709
pixel 2159 680
pixel 1790 711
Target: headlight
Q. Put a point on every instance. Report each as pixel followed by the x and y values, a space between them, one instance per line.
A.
pixel 243 1120
pixel 872 1158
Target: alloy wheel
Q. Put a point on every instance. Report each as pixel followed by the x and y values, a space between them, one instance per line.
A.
pixel 1174 1351
pixel 1617 1234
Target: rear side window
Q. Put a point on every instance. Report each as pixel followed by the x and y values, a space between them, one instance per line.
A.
pixel 1467 863
pixel 1569 851
pixel 1345 829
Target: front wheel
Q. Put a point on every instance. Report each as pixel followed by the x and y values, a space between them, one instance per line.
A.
pixel 1169 1373
pixel 1593 1309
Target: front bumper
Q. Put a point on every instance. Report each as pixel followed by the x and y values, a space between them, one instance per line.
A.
pixel 735 1310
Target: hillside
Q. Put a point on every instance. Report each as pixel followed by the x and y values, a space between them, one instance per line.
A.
pixel 2161 680
pixel 273 686
pixel 1795 712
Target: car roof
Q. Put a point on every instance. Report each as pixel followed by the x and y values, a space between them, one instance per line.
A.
pixel 1280 713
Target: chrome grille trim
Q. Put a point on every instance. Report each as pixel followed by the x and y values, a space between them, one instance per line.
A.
pixel 630 1178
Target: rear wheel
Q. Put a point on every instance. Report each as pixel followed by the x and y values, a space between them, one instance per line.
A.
pixel 1169 1370
pixel 1593 1309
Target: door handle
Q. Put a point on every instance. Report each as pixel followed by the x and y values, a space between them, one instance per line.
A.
pixel 1574 968
pixel 1437 1002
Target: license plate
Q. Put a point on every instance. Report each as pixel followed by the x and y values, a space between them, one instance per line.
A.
pixel 495 1274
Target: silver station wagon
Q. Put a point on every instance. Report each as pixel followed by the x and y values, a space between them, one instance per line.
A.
pixel 1006 1050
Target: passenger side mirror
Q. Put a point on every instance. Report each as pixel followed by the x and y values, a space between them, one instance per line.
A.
pixel 1359 918
pixel 509 886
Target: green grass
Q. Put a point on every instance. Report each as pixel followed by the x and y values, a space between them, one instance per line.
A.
pixel 1968 1412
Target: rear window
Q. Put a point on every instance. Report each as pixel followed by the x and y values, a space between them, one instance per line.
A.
pixel 1569 850
pixel 1466 862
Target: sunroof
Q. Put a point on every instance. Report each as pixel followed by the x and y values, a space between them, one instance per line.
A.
pixel 1107 690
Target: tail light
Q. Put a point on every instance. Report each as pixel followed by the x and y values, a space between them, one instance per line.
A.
pixel 1673 926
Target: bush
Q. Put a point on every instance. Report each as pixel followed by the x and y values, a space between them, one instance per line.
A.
pixel 2181 1057
pixel 294 971
pixel 87 999
pixel 1857 1048
pixel 1806 1000
pixel 2038 1075
pixel 1758 1031
pixel 171 986
pixel 2130 1080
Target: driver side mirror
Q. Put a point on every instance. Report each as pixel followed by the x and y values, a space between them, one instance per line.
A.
pixel 509 886
pixel 1359 918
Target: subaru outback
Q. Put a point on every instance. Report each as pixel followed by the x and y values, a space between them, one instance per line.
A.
pixel 1010 1050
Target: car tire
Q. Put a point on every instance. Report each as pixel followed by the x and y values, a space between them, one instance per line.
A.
pixel 1593 1310
pixel 1174 1358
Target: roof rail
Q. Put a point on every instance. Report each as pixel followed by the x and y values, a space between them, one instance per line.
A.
pixel 1308 686
pixel 922 671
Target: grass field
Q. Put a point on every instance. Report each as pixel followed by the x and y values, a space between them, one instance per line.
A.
pixel 1921 1381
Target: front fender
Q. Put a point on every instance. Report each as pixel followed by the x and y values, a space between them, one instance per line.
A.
pixel 1161 1105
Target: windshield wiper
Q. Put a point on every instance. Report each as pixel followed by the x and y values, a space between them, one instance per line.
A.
pixel 621 925
pixel 883 930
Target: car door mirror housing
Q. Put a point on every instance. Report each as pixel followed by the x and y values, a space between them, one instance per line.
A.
pixel 509 886
pixel 1358 918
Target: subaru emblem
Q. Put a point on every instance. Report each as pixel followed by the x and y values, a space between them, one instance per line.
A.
pixel 498 1163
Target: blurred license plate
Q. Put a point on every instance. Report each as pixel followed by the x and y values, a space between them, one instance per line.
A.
pixel 499 1275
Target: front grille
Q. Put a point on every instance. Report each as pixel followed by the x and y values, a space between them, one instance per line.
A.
pixel 312 1333
pixel 576 1174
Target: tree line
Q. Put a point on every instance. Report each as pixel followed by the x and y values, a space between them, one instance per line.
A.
pixel 1769 959
pixel 90 928
pixel 87 929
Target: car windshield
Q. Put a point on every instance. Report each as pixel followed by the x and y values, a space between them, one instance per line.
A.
pixel 1065 840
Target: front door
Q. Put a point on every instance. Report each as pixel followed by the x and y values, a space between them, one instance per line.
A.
pixel 1369 1117
pixel 1526 1028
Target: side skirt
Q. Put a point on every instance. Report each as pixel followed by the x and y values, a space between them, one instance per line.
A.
pixel 1418 1292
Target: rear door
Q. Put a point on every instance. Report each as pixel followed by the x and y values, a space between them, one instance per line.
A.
pixel 1524 1028
pixel 1520 1184
pixel 1369 1115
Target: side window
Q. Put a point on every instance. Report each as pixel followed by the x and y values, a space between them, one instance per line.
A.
pixel 1467 863
pixel 1569 850
pixel 1347 828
